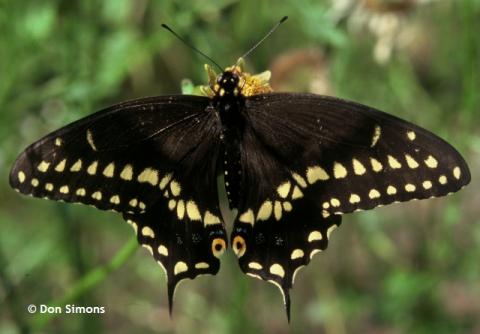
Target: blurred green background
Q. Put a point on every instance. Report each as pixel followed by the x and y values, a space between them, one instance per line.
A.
pixel 406 268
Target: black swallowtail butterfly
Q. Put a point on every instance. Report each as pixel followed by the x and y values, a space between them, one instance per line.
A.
pixel 293 165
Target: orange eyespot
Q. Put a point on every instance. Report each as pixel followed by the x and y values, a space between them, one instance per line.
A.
pixel 218 247
pixel 239 246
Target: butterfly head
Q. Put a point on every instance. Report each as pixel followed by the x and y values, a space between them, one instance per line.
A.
pixel 227 84
pixel 235 81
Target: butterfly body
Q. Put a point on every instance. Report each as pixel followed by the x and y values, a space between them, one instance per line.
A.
pixel 229 103
pixel 293 165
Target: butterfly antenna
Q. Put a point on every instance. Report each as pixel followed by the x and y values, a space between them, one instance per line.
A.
pixel 192 47
pixel 265 37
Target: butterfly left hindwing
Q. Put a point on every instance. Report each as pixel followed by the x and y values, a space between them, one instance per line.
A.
pixel 153 160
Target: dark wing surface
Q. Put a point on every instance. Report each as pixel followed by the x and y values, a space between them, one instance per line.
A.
pixel 151 159
pixel 307 159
